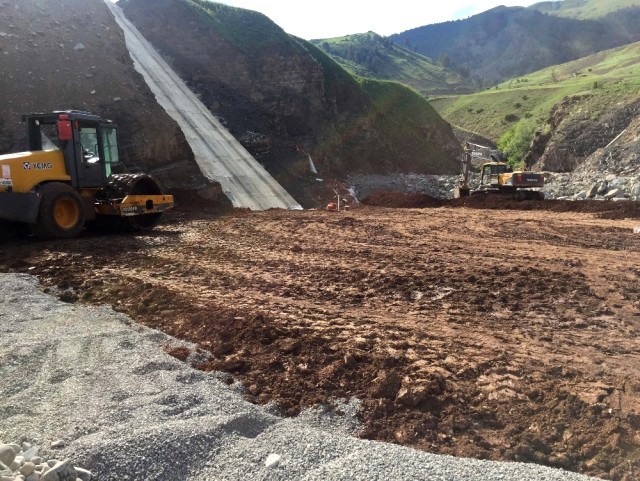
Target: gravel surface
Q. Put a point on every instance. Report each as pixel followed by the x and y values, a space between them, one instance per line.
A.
pixel 124 409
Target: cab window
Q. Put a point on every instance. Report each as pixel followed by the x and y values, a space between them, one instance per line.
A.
pixel 89 143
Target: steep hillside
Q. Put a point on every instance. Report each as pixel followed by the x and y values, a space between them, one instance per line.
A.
pixel 54 58
pixel 577 107
pixel 373 56
pixel 276 92
pixel 584 9
pixel 504 43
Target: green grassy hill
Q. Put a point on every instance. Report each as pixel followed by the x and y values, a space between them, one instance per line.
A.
pixel 373 56
pixel 602 81
pixel 583 9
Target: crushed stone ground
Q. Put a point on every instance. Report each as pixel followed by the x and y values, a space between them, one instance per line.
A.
pixel 118 404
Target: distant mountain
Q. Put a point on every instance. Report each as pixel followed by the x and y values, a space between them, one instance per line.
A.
pixel 584 9
pixel 508 42
pixel 373 56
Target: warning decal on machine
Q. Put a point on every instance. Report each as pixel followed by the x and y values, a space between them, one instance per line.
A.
pixel 6 183
pixel 6 171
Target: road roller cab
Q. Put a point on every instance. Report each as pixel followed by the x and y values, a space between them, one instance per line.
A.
pixel 65 180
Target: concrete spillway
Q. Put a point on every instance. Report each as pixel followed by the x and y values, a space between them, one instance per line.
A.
pixel 219 155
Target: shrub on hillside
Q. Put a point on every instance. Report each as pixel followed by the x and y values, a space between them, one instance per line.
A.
pixel 515 143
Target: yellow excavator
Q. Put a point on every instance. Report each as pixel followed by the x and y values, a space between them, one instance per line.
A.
pixel 497 177
pixel 65 180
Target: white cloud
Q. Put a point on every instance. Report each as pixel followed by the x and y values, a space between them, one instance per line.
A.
pixel 334 18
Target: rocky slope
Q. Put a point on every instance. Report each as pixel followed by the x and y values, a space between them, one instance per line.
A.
pixel 276 93
pixel 575 133
pixel 609 172
pixel 72 55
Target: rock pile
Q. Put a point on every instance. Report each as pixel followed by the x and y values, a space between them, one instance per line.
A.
pixel 594 186
pixel 22 463
pixel 560 186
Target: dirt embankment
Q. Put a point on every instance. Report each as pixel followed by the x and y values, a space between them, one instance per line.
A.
pixel 498 334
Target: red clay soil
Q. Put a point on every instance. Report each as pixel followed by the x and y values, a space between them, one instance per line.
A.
pixel 496 334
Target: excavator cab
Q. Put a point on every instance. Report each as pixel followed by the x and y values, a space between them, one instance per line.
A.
pixel 491 173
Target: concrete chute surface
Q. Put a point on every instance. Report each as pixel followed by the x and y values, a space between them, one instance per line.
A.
pixel 218 154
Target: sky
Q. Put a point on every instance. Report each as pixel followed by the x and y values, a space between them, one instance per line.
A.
pixel 335 18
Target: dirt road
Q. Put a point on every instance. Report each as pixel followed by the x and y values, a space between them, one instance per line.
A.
pixel 498 334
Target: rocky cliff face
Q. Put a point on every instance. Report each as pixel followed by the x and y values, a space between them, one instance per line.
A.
pixel 611 172
pixel 72 55
pixel 577 131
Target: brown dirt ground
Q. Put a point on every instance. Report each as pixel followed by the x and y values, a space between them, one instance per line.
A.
pixel 506 334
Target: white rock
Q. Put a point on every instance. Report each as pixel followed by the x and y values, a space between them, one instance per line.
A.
pixel 636 230
pixel 57 444
pixel 62 471
pixel 79 46
pixel 613 193
pixel 30 454
pixel 83 474
pixel 273 460
pixel 15 465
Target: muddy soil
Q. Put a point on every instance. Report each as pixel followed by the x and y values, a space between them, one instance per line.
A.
pixel 505 334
